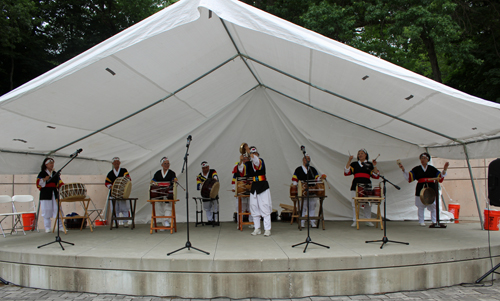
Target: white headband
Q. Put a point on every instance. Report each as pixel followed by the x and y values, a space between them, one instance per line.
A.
pixel 115 159
pixel 163 160
pixel 204 164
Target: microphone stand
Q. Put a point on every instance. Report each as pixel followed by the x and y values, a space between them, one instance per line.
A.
pixel 188 243
pixel 308 239
pixel 59 215
pixel 385 240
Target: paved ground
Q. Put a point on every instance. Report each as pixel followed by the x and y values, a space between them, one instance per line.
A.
pixel 466 292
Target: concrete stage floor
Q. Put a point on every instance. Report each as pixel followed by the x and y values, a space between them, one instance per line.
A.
pixel 134 262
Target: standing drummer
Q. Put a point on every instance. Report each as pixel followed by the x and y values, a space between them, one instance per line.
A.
pixel 245 202
pixel 302 173
pixel 121 206
pixel 425 174
pixel 260 195
pixel 362 170
pixel 210 206
pixel 165 174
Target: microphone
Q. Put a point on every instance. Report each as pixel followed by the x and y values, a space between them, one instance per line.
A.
pixel 189 138
pixel 397 187
pixel 303 149
pixel 76 153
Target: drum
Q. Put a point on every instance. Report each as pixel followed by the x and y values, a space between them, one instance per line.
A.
pixel 293 190
pixel 210 188
pixel 121 188
pixel 163 191
pixel 243 186
pixel 73 191
pixel 302 185
pixel 319 189
pixel 363 190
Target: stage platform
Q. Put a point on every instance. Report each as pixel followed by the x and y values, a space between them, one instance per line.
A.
pixel 134 262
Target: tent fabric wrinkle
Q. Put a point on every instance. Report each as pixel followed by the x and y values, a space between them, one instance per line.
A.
pixel 238 75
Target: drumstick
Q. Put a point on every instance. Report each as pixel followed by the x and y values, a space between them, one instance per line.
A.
pixel 376 157
pixel 327 183
pixel 180 186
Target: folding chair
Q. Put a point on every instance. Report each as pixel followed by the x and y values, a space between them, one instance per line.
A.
pixel 25 199
pixel 5 199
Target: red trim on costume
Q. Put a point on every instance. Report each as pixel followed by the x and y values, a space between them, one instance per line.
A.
pixel 361 175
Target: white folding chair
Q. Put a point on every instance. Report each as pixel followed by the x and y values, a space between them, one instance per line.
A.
pixel 32 209
pixel 6 199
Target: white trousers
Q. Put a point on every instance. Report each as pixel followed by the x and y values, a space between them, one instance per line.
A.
pixel 421 208
pixel 49 210
pixel 164 209
pixel 245 207
pixel 210 207
pixel 367 210
pixel 261 206
pixel 122 207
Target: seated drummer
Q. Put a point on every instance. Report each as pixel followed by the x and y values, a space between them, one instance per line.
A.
pixel 121 206
pixel 302 174
pixel 210 206
pixel 164 175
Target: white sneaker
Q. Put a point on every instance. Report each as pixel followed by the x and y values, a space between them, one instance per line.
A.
pixel 353 224
pixel 302 224
pixel 370 224
pixel 166 224
pixel 267 233
pixel 313 224
pixel 256 232
pixel 422 224
pixel 251 226
pixel 47 231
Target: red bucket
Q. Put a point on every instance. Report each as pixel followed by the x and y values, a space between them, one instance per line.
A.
pixel 455 210
pixel 28 221
pixel 100 223
pixel 491 219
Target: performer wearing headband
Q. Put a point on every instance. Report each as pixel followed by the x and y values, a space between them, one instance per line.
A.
pixel 210 206
pixel 245 206
pixel 302 174
pixel 121 206
pixel 49 192
pixel 164 175
pixel 423 174
pixel 260 195
pixel 362 170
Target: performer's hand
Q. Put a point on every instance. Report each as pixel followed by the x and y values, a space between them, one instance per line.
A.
pixel 374 162
pixel 350 159
pixel 46 178
pixel 241 159
pixel 232 190
pixel 446 166
pixel 400 165
pixel 175 180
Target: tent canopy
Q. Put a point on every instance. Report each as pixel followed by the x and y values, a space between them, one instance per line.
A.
pixel 226 73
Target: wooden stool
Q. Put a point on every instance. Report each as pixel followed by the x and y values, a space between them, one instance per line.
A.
pixel 295 214
pixel 85 205
pixel 133 202
pixel 241 223
pixel 173 220
pixel 358 201
pixel 320 218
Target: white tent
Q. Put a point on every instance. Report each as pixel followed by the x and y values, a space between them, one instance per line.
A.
pixel 226 73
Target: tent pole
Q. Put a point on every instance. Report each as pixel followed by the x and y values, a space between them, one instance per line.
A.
pixel 473 186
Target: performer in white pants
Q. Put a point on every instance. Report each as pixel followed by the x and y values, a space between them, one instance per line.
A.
pixel 260 195
pixel 425 175
pixel 245 202
pixel 122 207
pixel 362 170
pixel 49 192
pixel 164 175
pixel 303 174
pixel 210 206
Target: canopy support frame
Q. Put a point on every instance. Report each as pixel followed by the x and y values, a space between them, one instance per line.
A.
pixel 473 186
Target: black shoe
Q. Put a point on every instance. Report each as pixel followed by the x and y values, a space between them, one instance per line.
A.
pixel 209 223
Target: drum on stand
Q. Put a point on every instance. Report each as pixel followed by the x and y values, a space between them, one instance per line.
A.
pixel 427 196
pixel 366 190
pixel 243 186
pixel 210 188
pixel 163 191
pixel 293 191
pixel 302 185
pixel 73 191
pixel 121 188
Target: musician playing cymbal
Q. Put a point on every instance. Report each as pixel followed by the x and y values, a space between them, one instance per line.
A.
pixel 362 170
pixel 425 174
pixel 303 174
pixel 260 195
pixel 164 175
pixel 122 207
pixel 210 206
